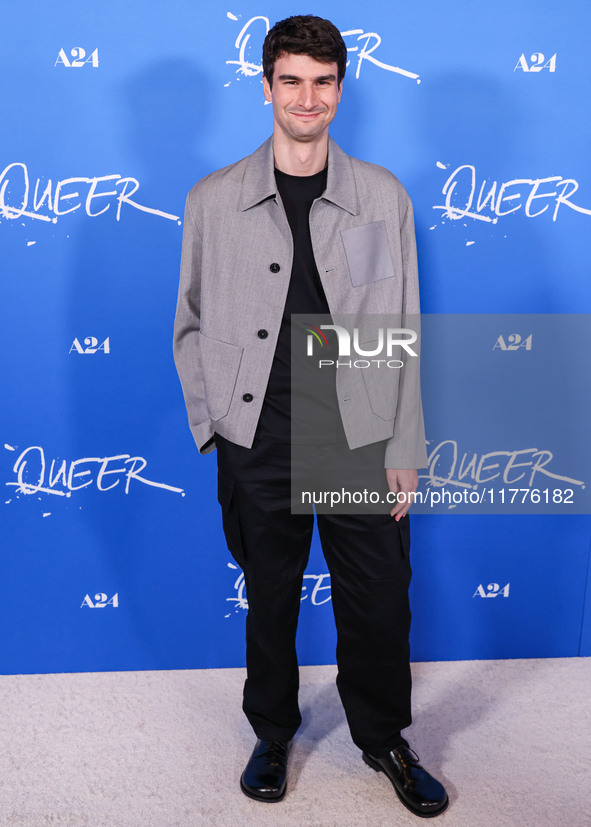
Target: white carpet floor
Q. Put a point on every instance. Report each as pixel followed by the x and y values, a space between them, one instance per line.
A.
pixel 511 740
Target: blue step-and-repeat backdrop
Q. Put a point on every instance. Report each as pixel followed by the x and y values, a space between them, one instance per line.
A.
pixel 113 556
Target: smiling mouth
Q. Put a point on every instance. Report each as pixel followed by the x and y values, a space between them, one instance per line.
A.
pixel 306 114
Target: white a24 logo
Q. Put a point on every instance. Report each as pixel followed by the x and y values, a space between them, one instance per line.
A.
pixel 492 590
pixel 514 342
pixel 101 601
pixel 91 345
pixel 79 59
pixel 536 64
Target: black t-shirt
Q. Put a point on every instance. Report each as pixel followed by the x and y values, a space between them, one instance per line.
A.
pixel 318 413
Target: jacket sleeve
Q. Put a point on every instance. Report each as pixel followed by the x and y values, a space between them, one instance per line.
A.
pixel 407 447
pixel 186 345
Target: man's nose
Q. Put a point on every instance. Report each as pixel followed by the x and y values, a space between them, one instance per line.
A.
pixel 308 97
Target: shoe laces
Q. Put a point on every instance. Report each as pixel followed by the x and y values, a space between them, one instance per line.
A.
pixel 408 754
pixel 276 751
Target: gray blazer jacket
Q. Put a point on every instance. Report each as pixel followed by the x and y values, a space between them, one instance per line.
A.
pixel 235 269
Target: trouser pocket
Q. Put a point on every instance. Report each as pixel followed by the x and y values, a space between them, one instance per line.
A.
pixel 227 498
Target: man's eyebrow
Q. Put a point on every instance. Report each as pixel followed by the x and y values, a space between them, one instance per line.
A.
pixel 296 77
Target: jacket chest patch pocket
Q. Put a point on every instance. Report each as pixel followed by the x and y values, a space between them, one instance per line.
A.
pixel 368 254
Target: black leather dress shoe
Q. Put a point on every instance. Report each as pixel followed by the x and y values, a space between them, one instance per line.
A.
pixel 265 775
pixel 422 794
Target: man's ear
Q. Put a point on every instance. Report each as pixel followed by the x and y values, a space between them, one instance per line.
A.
pixel 340 91
pixel 267 89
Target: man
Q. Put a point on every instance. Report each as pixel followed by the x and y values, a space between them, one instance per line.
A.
pixel 301 227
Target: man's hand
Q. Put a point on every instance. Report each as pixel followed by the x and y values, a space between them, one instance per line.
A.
pixel 405 481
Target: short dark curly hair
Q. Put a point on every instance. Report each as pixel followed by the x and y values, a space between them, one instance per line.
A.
pixel 305 34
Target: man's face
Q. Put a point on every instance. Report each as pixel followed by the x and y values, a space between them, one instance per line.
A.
pixel 305 96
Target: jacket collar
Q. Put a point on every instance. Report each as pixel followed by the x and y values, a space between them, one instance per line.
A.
pixel 259 182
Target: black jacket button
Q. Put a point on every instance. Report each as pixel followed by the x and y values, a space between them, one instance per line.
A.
pixel 248 397
pixel 262 334
pixel 274 268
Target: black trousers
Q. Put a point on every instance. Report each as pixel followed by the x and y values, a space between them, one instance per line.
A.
pixel 368 560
